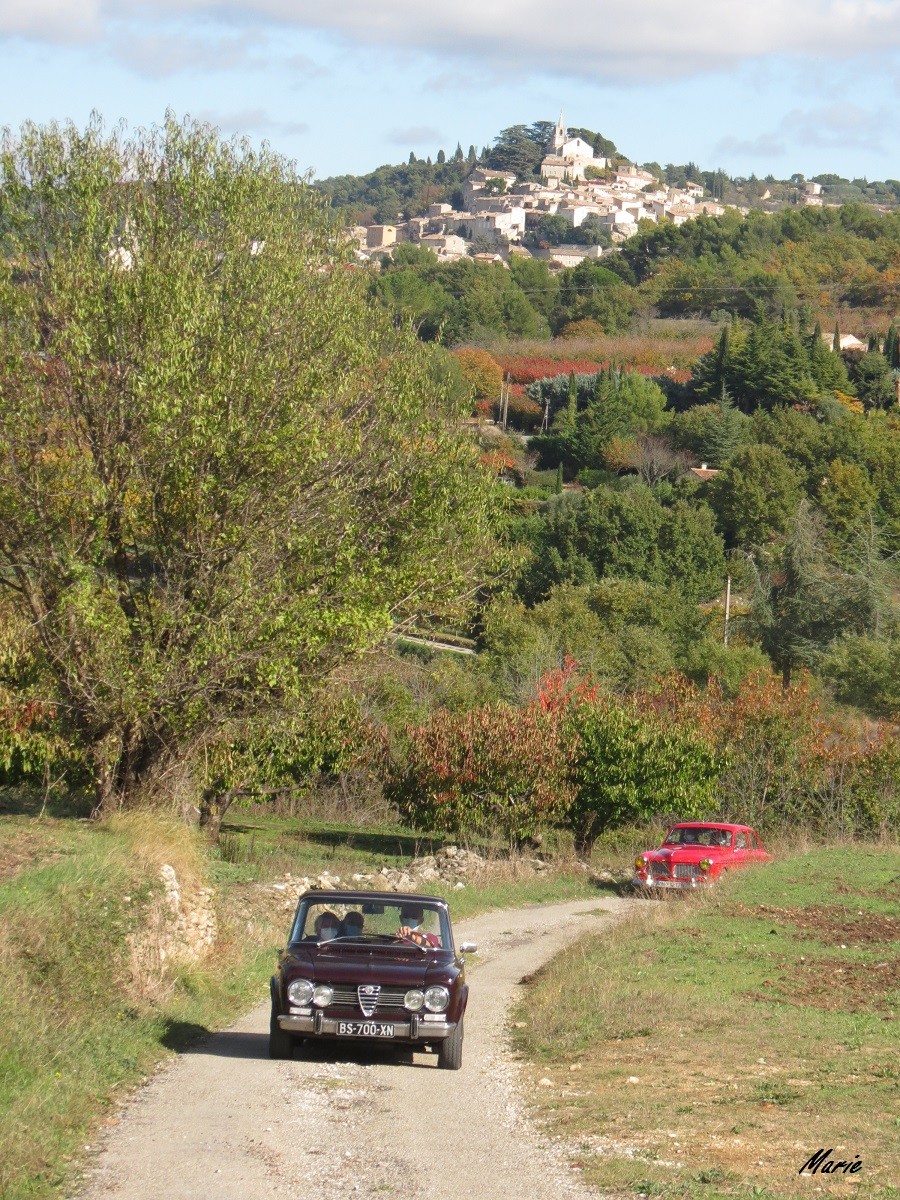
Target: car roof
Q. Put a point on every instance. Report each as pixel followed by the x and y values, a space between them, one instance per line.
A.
pixel 366 897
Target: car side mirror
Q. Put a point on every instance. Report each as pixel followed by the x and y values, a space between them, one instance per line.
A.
pixel 468 947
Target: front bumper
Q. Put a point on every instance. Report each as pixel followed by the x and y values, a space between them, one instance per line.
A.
pixel 677 885
pixel 415 1029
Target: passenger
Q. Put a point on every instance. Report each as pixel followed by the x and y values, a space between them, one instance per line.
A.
pixel 352 925
pixel 411 918
pixel 326 926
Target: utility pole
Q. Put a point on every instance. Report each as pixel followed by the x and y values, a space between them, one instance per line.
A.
pixel 727 606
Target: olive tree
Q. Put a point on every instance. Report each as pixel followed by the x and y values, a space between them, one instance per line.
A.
pixel 222 470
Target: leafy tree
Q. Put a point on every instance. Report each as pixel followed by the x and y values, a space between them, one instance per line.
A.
pixel 630 765
pixel 755 496
pixel 846 497
pixel 804 597
pixel 222 470
pixel 873 380
pixel 865 671
pixel 483 372
pixel 515 150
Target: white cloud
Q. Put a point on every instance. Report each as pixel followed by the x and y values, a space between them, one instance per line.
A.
pixel 52 20
pixel 643 41
pixel 828 126
pixel 414 135
pixel 159 54
pixel 248 121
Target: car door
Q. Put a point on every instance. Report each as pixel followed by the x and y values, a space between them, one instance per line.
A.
pixel 741 854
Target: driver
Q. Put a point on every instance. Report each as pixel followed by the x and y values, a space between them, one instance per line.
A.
pixel 411 918
pixel 326 926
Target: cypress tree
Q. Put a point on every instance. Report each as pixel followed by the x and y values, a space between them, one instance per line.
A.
pixel 472 156
pixel 412 158
pixel 836 340
pixel 891 348
pixel 441 156
pixel 727 432
pixel 458 153
pixel 559 479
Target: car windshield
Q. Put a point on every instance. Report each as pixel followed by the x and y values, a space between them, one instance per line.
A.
pixel 698 835
pixel 367 922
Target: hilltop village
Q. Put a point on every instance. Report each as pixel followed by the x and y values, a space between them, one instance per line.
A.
pixel 576 185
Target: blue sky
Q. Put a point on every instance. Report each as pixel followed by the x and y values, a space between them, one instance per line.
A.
pixel 777 86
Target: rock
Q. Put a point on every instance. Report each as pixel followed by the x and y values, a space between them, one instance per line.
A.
pixel 545 1082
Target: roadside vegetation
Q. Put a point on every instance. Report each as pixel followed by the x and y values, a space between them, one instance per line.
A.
pixel 92 994
pixel 707 1048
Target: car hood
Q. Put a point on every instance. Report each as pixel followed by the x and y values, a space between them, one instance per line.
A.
pixel 686 854
pixel 365 966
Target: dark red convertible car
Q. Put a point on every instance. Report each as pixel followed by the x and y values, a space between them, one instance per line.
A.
pixel 695 853
pixel 371 966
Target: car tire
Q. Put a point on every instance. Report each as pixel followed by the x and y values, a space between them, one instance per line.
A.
pixel 281 1043
pixel 450 1050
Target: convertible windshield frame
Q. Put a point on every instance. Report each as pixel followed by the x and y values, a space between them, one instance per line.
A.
pixel 376 903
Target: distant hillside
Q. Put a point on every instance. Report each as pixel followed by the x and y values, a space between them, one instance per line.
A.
pixel 398 192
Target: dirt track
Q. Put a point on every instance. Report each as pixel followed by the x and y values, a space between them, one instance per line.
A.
pixel 227 1123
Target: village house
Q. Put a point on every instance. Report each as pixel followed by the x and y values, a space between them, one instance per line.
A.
pixel 569 158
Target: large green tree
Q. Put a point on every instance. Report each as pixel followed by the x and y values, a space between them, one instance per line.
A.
pixel 222 469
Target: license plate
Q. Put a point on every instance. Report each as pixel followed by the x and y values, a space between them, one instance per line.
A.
pixel 672 883
pixel 364 1029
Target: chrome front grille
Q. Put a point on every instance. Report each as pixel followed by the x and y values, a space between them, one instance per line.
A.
pixel 659 870
pixel 345 996
pixel 687 871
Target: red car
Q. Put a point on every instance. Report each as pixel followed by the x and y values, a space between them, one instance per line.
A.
pixel 695 853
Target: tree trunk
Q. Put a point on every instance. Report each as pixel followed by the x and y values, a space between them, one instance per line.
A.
pixel 213 807
pixel 584 843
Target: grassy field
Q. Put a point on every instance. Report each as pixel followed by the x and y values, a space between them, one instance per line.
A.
pixel 82 1019
pixel 708 1047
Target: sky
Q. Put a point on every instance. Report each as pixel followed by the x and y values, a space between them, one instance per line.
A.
pixel 772 86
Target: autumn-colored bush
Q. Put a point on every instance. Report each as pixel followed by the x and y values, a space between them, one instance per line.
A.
pixel 585 328
pixel 482 372
pixel 521 413
pixel 591 761
pixel 530 369
pixel 496 769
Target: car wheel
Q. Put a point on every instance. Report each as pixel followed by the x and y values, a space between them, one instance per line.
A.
pixel 281 1044
pixel 450 1050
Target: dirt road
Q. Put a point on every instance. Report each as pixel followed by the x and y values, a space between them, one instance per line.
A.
pixel 225 1122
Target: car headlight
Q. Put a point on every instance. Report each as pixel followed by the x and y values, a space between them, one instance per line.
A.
pixel 323 995
pixel 300 992
pixel 705 864
pixel 640 862
pixel 437 998
pixel 414 999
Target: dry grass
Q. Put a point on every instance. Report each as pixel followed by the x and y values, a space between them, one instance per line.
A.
pixel 158 838
pixel 703 1050
pixel 658 344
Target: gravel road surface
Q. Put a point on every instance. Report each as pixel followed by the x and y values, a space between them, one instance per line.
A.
pixel 223 1122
